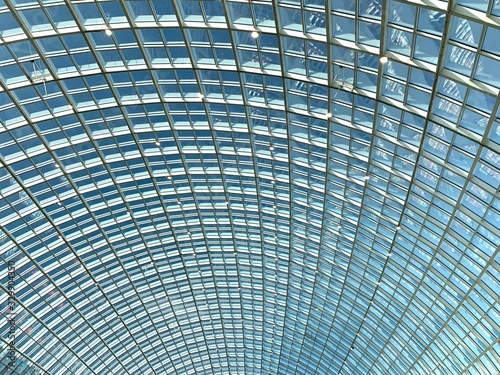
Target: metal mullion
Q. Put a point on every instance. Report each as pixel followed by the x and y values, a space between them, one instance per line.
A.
pixel 250 134
pixel 490 262
pixel 281 33
pixel 274 244
pixel 93 49
pixel 157 187
pixel 107 240
pixel 488 348
pixel 177 142
pixel 477 54
pixel 54 76
pixel 49 150
pixel 43 8
pixel 200 87
pixel 140 46
pixel 28 310
pixel 381 346
pixel 141 265
pixel 110 174
pixel 356 47
pixel 375 289
pixel 275 211
pixel 435 194
pixel 443 165
pixel 396 141
pixel 32 260
pixel 112 280
pixel 40 54
pixel 384 16
pixel 458 130
pixel 491 122
pixel 485 18
pixel 388 169
pixel 469 82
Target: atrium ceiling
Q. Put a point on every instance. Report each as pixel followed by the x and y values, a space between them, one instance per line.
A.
pixel 243 187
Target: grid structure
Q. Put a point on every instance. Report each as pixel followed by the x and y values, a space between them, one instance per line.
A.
pixel 243 187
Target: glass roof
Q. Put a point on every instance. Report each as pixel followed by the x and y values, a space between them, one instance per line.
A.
pixel 244 187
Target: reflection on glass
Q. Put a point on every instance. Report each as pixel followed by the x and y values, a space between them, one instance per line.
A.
pixel 180 196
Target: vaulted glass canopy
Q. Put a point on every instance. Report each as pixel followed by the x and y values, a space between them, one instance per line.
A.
pixel 244 187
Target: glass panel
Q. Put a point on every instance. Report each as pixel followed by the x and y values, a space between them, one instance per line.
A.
pixel 245 187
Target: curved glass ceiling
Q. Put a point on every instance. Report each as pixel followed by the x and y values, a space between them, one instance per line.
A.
pixel 243 187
